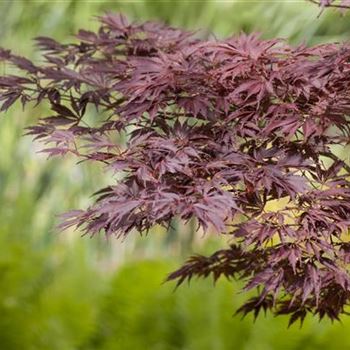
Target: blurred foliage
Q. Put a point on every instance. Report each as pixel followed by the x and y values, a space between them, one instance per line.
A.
pixel 196 317
pixel 66 309
pixel 60 291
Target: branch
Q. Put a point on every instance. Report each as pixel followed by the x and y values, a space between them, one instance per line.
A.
pixel 339 6
pixel 335 158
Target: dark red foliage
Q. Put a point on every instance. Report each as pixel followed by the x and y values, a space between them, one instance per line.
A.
pixel 217 130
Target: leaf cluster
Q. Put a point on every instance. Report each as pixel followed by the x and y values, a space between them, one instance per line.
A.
pixel 216 130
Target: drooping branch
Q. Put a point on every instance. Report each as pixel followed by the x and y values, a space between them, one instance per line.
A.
pixel 216 131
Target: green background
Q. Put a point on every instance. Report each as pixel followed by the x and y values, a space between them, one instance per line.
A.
pixel 61 291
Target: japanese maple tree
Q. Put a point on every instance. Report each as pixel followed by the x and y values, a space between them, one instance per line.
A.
pixel 217 130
